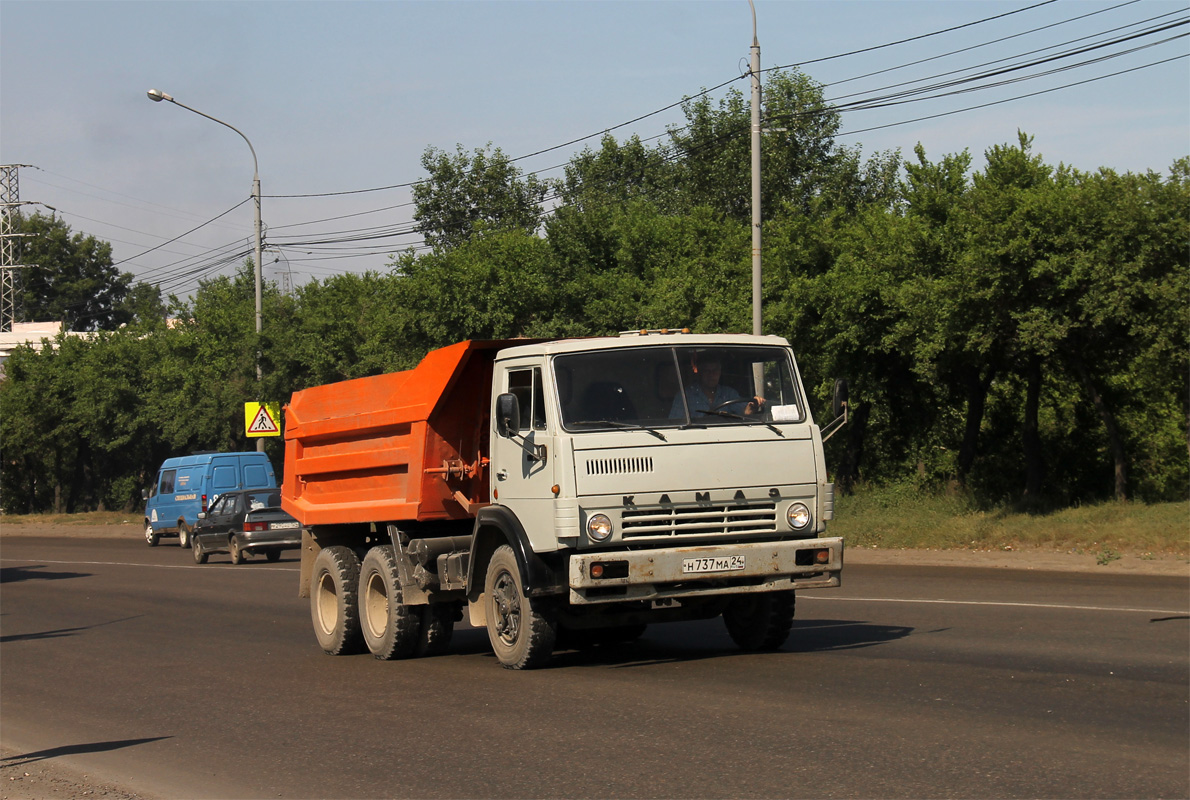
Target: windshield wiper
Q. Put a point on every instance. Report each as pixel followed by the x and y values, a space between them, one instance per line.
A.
pixel 744 419
pixel 611 423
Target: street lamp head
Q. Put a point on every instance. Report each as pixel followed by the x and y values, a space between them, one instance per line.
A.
pixel 156 95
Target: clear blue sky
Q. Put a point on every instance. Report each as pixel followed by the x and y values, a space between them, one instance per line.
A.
pixel 343 96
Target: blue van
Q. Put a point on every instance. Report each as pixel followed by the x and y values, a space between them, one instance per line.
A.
pixel 190 484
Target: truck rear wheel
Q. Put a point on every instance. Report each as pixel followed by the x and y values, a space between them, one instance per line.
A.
pixel 521 630
pixel 183 534
pixel 760 621
pixel 390 628
pixel 334 584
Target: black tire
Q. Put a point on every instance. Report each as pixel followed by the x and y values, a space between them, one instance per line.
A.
pixel 389 627
pixel 233 547
pixel 760 621
pixel 184 537
pixel 150 537
pixel 521 629
pixel 200 557
pixel 334 584
pixel 437 628
pixel 272 556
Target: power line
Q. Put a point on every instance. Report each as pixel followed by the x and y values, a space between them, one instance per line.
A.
pixel 187 233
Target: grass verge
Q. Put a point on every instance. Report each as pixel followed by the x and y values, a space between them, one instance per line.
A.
pixel 902 519
pixel 89 518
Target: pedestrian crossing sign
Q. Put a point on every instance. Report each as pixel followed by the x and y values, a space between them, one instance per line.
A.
pixel 262 419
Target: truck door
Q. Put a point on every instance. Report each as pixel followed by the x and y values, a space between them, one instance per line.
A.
pixel 523 466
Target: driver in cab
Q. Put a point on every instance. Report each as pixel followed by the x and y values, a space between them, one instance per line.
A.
pixel 705 395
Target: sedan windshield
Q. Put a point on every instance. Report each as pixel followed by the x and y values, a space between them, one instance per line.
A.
pixel 657 387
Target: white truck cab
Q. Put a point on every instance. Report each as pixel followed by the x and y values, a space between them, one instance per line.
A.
pixel 665 470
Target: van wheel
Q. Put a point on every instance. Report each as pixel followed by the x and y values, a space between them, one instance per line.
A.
pixel 200 557
pixel 183 535
pixel 150 537
pixel 520 628
pixel 389 627
pixel 233 547
pixel 334 585
pixel 760 621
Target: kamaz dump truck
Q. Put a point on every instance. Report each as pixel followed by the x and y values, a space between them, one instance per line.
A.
pixel 573 490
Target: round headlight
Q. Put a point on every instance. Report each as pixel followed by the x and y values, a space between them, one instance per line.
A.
pixel 599 527
pixel 798 516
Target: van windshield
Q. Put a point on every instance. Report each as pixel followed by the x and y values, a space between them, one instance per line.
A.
pixel 658 387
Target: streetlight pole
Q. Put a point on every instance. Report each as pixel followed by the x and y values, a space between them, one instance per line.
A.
pixel 157 96
pixel 754 70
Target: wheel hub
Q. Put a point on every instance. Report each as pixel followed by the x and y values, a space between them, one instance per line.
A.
pixel 508 609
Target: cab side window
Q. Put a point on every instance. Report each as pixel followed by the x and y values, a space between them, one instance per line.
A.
pixel 167 481
pixel 530 395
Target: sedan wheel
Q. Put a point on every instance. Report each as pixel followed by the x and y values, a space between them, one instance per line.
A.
pixel 237 555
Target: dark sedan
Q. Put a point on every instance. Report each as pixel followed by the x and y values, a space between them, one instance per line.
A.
pixel 245 522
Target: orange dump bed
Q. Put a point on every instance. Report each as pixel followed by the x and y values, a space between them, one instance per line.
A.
pixel 402 446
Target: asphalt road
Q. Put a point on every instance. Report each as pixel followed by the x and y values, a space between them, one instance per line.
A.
pixel 178 680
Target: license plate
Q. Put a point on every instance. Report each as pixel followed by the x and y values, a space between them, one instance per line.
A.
pixel 713 564
pixel 280 525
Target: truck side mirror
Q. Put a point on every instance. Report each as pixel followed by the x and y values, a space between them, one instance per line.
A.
pixel 839 399
pixel 508 415
pixel 144 494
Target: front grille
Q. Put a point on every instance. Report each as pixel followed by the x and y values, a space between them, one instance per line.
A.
pixel 736 519
pixel 619 466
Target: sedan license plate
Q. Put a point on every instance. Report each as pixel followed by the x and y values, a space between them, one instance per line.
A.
pixel 280 525
pixel 712 564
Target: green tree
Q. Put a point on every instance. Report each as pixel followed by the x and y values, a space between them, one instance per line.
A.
pixel 464 194
pixel 800 161
pixel 70 277
pixel 620 173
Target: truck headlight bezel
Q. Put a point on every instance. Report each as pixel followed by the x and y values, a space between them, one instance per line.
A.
pixel 798 516
pixel 599 527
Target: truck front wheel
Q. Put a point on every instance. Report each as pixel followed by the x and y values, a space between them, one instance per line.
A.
pixel 390 627
pixel 150 537
pixel 760 621
pixel 521 630
pixel 334 584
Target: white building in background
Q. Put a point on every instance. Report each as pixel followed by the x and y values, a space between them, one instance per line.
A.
pixel 32 334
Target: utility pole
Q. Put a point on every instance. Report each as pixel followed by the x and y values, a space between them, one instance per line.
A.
pixel 754 71
pixel 10 200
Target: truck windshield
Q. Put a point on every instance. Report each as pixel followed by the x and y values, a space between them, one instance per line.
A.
pixel 658 387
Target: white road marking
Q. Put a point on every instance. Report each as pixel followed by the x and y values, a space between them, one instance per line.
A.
pixel 133 564
pixel 1056 606
pixel 991 603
